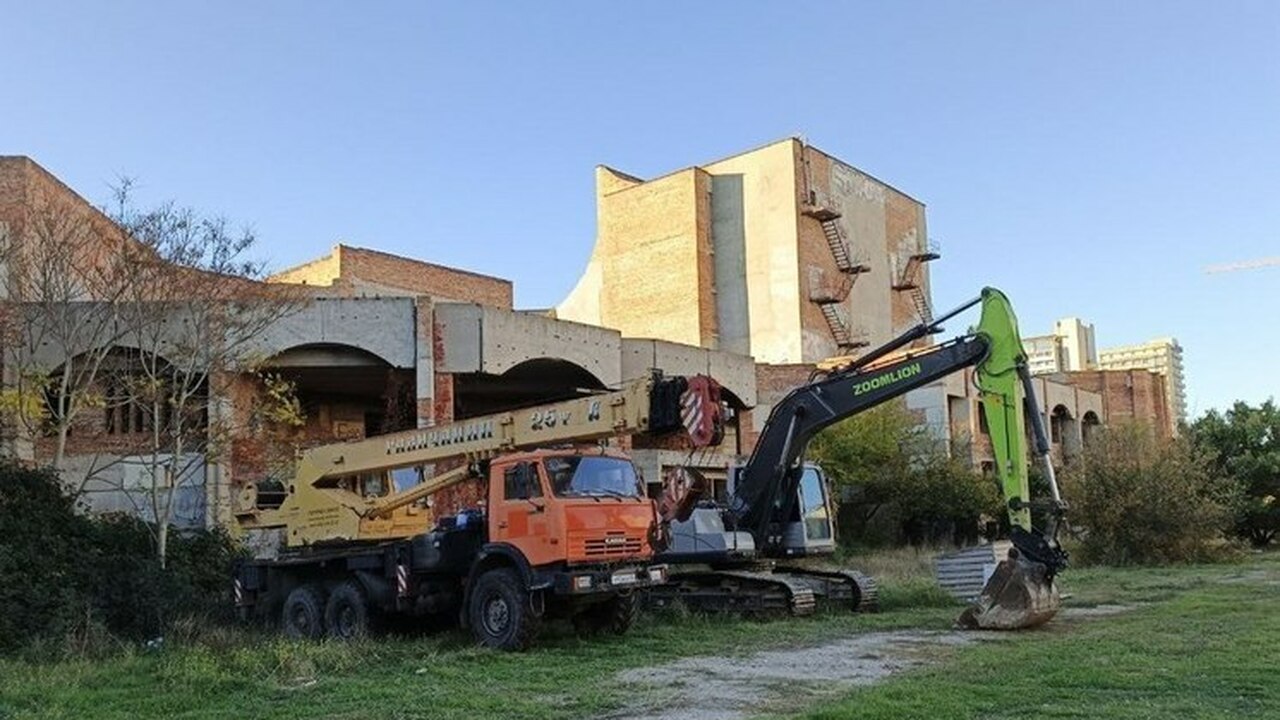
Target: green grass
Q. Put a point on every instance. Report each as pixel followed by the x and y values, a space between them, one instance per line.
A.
pixel 1197 646
pixel 1202 642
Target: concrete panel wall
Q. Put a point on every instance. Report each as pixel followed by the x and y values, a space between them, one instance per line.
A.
pixel 490 340
pixel 728 237
pixel 769 227
pixel 382 326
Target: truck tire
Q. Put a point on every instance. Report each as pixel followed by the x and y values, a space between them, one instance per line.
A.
pixel 303 615
pixel 615 615
pixel 347 615
pixel 499 611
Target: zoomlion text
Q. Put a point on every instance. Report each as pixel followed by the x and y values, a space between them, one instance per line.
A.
pixel 887 379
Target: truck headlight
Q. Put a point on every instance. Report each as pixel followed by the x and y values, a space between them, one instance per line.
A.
pixel 582 582
pixel 658 574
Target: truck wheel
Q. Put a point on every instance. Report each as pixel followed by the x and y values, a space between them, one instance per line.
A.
pixel 303 614
pixel 499 612
pixel 615 615
pixel 347 614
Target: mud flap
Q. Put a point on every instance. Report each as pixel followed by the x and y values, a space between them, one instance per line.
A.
pixel 1020 594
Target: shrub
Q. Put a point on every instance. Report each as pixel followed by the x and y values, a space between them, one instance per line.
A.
pixel 67 578
pixel 1140 499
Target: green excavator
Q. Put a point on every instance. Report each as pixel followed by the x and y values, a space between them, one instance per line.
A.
pixel 778 509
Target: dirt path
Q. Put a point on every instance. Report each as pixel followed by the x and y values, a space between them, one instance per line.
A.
pixel 727 688
pixel 731 688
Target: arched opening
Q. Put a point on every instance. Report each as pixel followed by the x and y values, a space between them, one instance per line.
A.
pixel 1089 425
pixel 346 392
pixel 532 382
pixel 1065 431
pixel 132 394
pixel 1059 419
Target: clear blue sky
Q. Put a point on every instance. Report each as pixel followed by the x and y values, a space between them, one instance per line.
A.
pixel 1089 158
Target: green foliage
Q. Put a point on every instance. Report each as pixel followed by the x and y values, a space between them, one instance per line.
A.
pixel 279 403
pixel 896 483
pixel 1142 499
pixel 67 578
pixel 1243 444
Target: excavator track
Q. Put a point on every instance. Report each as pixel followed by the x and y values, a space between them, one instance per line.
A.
pixel 763 594
pixel 839 589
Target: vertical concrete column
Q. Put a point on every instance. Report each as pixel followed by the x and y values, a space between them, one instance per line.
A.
pixel 218 474
pixel 424 365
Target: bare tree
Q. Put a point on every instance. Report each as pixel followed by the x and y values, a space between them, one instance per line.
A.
pixel 61 286
pixel 192 313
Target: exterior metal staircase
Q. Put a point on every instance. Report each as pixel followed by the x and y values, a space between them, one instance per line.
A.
pixel 908 278
pixel 850 267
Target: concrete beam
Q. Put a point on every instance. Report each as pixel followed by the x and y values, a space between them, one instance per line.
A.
pixel 492 340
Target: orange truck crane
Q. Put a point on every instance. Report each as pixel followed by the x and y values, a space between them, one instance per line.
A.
pixel 565 530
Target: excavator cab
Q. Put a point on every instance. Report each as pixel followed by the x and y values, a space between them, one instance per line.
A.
pixel 807 528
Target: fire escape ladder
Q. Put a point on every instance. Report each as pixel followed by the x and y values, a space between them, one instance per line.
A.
pixel 828 298
pixel 921 303
pixel 908 279
pixel 845 338
pixel 848 265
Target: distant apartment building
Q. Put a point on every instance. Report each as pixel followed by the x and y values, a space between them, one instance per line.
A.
pixel 1163 357
pixel 1069 348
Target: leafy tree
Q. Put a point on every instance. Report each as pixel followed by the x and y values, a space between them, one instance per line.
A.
pixel 896 482
pixel 1243 444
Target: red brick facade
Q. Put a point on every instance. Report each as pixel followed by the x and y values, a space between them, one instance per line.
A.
pixel 1127 396
pixel 353 272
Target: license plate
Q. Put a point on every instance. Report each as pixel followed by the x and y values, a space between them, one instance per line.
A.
pixel 623 578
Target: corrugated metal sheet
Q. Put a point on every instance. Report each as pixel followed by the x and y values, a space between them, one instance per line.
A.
pixel 963 573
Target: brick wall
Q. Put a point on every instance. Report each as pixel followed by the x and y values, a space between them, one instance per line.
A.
pixel 1127 396
pixel 654 241
pixel 351 272
pixel 773 382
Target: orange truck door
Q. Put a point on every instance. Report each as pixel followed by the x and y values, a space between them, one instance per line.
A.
pixel 522 515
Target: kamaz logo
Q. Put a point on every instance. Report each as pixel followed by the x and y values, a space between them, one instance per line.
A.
pixel 887 379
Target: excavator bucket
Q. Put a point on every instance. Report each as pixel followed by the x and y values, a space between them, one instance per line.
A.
pixel 1020 594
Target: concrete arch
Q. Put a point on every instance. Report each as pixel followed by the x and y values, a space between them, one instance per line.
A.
pixel 530 382
pixel 346 391
pixel 492 341
pixel 383 327
pixel 326 354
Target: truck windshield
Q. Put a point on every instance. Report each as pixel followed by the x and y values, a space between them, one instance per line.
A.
pixel 578 475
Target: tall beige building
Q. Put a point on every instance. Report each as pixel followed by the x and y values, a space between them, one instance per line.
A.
pixel 784 253
pixel 1071 347
pixel 1162 356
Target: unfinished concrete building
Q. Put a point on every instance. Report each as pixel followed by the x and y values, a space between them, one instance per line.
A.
pixel 381 343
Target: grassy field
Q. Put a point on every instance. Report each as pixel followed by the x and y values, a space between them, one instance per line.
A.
pixel 1200 642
